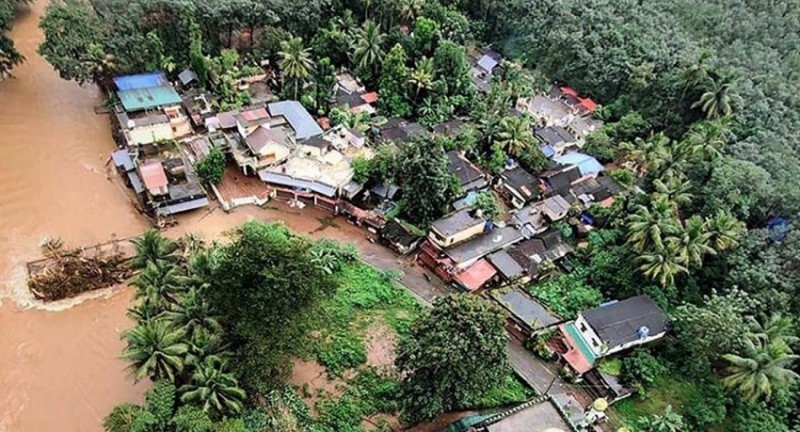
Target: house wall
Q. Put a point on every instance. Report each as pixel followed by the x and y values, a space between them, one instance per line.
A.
pixel 634 343
pixel 594 342
pixel 151 133
pixel 516 199
pixel 590 336
pixel 443 241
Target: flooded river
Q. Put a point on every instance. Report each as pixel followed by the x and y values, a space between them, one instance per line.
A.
pixel 59 370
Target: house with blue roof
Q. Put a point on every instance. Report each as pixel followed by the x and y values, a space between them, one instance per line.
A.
pixel 149 110
pixel 587 165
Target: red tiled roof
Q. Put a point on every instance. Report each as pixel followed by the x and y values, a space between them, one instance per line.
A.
pixel 370 97
pixel 324 123
pixel 476 275
pixel 588 103
pixel 574 357
pixel 569 91
pixel 255 114
pixel 153 175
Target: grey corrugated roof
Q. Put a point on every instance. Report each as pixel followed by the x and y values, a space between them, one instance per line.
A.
pixel 456 222
pixel 182 207
pixel 298 117
pixel 487 63
pixel 527 309
pixel 136 182
pixel 186 76
pixel 506 265
pixel 617 323
pixel 284 180
pixel 489 242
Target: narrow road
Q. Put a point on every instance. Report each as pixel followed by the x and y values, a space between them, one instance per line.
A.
pixel 427 287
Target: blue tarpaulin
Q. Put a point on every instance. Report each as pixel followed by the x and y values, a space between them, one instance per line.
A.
pixel 548 151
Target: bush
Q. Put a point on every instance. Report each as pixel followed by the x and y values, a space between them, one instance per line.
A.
pixel 212 167
pixel 568 294
pixel 640 369
pixel 342 351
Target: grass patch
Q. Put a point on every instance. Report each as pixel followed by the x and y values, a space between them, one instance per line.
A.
pixel 511 391
pixel 368 393
pixel 611 367
pixel 667 390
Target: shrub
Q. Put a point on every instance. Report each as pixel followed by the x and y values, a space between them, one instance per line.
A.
pixel 640 369
pixel 212 167
pixel 342 351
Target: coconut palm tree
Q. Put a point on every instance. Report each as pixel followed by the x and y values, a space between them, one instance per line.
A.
pixel 646 154
pixel 706 140
pixel 777 328
pixel 515 135
pixel 190 313
pixel 674 188
pixel 368 47
pixel 662 264
pixel 205 344
pixel 764 366
pixel 719 98
pixel 725 230
pixel 155 350
pixel 421 78
pixel 295 61
pixel 158 285
pixel 214 389
pixel 153 248
pixel 693 242
pixel 648 226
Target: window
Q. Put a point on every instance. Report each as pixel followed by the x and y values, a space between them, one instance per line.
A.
pixel 583 327
pixel 594 343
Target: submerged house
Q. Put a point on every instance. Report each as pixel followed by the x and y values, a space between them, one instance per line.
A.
pixel 608 329
pixel 401 236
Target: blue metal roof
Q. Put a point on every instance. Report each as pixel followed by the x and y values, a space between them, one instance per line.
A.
pixel 122 159
pixel 586 164
pixel 298 117
pixel 141 81
pixel 548 151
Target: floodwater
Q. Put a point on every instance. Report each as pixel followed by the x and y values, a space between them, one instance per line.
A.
pixel 59 370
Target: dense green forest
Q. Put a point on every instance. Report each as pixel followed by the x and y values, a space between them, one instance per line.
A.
pixel 700 104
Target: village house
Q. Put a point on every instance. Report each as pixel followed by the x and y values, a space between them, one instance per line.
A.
pixel 554 139
pixel 536 218
pixel 456 228
pixel 608 329
pixel 558 179
pixel 197 103
pixel 537 253
pixel 469 176
pixel 525 316
pixel 601 190
pixel 353 95
pixel 402 237
pixel 149 110
pixel 398 130
pixel 587 165
pixel 321 164
pixel 563 108
pixel 519 186
pixel 484 63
